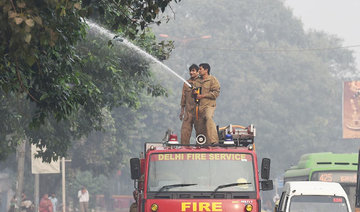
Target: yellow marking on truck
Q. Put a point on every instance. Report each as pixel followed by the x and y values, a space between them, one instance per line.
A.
pixel 218 156
pixel 171 157
pixel 201 156
pixel 201 206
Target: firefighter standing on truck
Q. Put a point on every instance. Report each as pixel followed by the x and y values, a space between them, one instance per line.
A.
pixel 210 90
pixel 188 106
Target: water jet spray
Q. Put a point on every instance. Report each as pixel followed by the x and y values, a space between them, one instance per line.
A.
pixel 130 45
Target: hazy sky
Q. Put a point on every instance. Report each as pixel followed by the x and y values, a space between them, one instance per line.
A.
pixel 340 17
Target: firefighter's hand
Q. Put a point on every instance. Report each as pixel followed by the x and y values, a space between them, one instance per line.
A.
pixel 181 116
pixel 200 96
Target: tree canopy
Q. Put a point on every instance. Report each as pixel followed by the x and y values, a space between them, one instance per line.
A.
pixel 46 71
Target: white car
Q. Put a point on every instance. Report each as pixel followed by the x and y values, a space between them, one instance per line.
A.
pixel 313 196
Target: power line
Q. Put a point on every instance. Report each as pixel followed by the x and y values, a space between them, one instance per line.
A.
pixel 272 50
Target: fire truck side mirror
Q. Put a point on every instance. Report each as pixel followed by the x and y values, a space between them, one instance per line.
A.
pixel 267 185
pixel 265 168
pixel 135 168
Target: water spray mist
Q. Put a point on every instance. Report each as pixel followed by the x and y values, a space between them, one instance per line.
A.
pixel 130 45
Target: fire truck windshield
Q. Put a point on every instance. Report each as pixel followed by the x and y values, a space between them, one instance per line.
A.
pixel 201 171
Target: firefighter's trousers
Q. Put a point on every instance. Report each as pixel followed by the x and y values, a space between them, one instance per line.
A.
pixel 205 125
pixel 186 128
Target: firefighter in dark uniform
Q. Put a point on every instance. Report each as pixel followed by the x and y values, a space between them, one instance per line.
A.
pixel 188 106
pixel 210 90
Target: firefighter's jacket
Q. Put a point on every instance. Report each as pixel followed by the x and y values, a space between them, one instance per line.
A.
pixel 210 87
pixel 187 99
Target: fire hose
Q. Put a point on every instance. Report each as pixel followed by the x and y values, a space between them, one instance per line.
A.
pixel 196 92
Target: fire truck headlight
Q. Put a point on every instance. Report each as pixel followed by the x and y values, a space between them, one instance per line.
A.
pixel 154 207
pixel 248 207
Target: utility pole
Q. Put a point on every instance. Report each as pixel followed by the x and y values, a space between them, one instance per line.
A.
pixel 63 184
pixel 36 192
pixel 20 171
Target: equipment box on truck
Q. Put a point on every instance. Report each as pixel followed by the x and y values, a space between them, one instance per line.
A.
pixel 313 196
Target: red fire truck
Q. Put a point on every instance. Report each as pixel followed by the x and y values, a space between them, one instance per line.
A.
pixel 171 177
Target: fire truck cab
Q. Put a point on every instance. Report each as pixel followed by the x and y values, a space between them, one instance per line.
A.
pixel 198 178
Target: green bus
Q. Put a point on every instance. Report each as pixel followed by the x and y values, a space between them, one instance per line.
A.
pixel 327 167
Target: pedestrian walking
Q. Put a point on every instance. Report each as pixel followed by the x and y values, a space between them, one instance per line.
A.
pixel 13 205
pixel 45 204
pixel 54 201
pixel 83 196
pixel 26 204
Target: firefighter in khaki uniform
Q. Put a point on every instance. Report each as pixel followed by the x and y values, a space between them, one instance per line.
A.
pixel 210 90
pixel 188 106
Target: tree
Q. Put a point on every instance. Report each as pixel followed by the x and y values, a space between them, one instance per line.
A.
pixel 41 64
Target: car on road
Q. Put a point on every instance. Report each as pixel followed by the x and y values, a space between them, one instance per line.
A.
pixel 313 196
